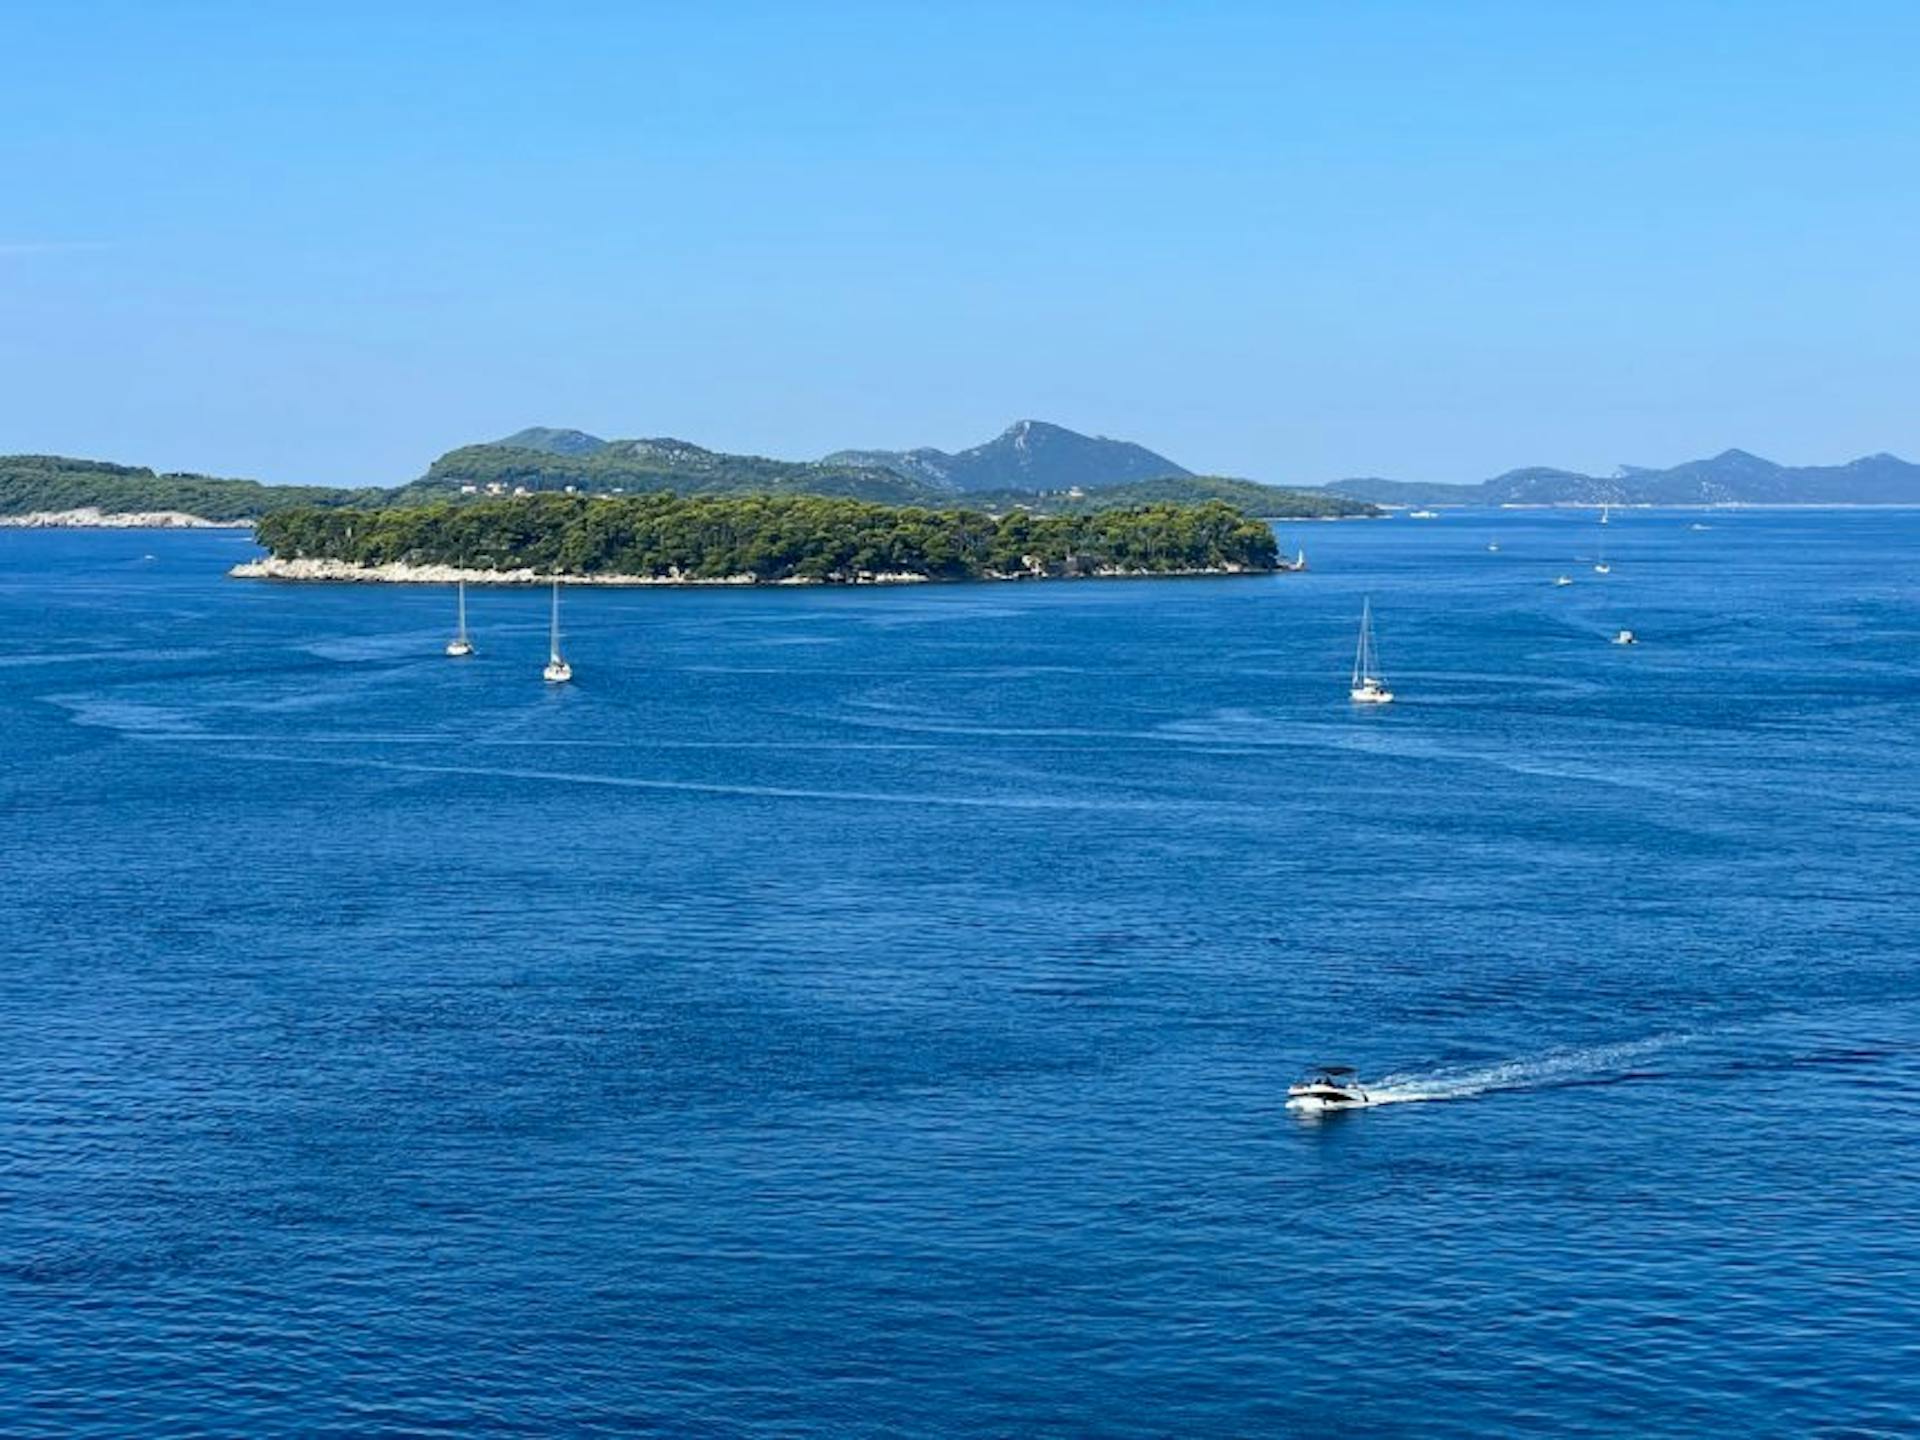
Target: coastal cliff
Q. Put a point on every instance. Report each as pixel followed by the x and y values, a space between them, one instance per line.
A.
pixel 396 573
pixel 89 517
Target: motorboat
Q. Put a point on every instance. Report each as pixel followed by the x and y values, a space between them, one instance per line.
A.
pixel 1423 514
pixel 1328 1087
pixel 1563 579
pixel 1626 637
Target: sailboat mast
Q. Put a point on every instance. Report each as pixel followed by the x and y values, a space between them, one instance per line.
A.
pixel 1361 659
pixel 553 641
pixel 463 610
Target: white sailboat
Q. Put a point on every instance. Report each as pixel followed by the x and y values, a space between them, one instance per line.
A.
pixel 1367 686
pixel 1600 565
pixel 558 671
pixel 1603 512
pixel 460 645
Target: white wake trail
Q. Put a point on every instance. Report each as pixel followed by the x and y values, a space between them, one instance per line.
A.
pixel 1556 1067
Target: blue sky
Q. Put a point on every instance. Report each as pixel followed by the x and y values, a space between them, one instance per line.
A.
pixel 1292 241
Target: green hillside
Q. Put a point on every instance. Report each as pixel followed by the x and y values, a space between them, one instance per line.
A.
pixel 1266 501
pixel 34 483
pixel 638 466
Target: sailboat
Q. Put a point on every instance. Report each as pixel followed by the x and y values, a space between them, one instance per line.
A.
pixel 1603 512
pixel 1367 686
pixel 1493 547
pixel 558 671
pixel 460 645
pixel 1600 566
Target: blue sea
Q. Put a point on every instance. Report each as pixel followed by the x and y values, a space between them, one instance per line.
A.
pixel 854 1013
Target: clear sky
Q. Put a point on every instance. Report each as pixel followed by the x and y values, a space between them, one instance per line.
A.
pixel 1296 241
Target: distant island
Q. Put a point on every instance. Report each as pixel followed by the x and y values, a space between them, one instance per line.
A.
pixel 773 539
pixel 1733 477
pixel 55 490
pixel 1033 467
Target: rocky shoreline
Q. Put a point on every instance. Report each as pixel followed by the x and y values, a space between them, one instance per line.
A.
pixel 90 518
pixel 345 572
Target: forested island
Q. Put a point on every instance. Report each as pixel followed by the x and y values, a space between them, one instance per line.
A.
pixel 53 485
pixel 661 538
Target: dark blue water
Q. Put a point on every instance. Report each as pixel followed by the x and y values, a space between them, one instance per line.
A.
pixel 868 1013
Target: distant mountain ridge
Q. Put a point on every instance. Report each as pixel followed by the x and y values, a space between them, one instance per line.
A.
pixel 1733 477
pixel 1032 466
pixel 1027 455
pixel 1053 471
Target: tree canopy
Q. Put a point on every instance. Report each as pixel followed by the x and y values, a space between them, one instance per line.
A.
pixel 772 538
pixel 32 483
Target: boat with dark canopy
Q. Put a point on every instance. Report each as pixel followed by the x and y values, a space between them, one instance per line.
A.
pixel 1328 1087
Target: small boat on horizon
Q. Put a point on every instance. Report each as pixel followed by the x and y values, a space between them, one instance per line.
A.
pixel 1423 514
pixel 461 645
pixel 1563 580
pixel 558 671
pixel 1367 686
pixel 1626 637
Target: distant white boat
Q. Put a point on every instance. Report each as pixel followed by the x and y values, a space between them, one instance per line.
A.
pixel 1367 686
pixel 1600 565
pixel 1300 559
pixel 1698 526
pixel 1423 514
pixel 1563 579
pixel 1603 514
pixel 1493 547
pixel 558 671
pixel 1626 637
pixel 460 645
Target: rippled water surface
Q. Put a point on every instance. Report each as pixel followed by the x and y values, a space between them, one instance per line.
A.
pixel 868 1013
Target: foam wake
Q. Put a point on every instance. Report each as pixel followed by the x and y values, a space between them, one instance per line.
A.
pixel 1593 1065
